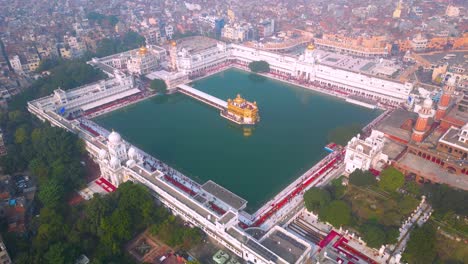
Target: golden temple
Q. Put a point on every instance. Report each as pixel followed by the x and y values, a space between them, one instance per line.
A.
pixel 241 111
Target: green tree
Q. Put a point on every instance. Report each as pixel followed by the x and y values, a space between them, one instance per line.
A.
pixel 391 235
pixel 113 20
pixel 421 248
pixel 362 178
pixel 95 16
pixel 52 229
pixel 259 66
pixel 131 40
pixel 107 47
pixel 413 188
pixel 337 189
pixel 56 254
pixel 316 198
pixel 444 199
pixel 374 235
pixel 39 169
pixel 51 194
pixel 391 179
pixel 21 135
pixel 16 117
pixel 337 213
pixel 159 86
pixel 47 64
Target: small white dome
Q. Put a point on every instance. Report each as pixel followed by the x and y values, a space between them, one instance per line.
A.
pixel 427 103
pixel 114 137
pixel 114 162
pixel 102 153
pixel 130 163
pixel 465 127
pixel 451 81
pixel 131 152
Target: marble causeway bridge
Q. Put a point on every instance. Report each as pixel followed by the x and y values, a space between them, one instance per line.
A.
pixel 203 97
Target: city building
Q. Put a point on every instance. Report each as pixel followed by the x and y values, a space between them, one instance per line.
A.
pixel 397 11
pixel 266 28
pixel 421 126
pixel 16 64
pixel 375 46
pixel 419 43
pixel 235 32
pixel 364 154
pixel 3 149
pixel 444 102
pixel 4 257
pixel 75 102
pixel 373 78
pixel 452 11
pixel 143 62
pixel 153 36
pixel 172 79
pixel 140 61
pixel 196 54
pixel 428 144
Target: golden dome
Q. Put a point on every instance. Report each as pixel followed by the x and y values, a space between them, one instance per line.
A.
pixel 173 43
pixel 239 99
pixel 143 50
pixel 310 47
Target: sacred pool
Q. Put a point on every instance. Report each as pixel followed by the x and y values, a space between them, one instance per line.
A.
pixel 255 162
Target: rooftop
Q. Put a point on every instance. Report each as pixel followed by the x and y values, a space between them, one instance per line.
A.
pixel 285 246
pixel 432 171
pixel 456 116
pixel 452 136
pixel 452 57
pixel 224 195
pixel 398 124
pixel 196 43
pixel 375 67
pixel 227 217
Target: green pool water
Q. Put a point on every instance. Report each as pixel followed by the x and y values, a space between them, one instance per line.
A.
pixel 255 163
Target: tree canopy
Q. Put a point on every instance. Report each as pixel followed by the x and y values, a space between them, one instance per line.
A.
pixel 316 198
pixel 337 189
pixel 159 86
pixel 259 66
pixel 102 19
pixel 109 46
pixel 421 247
pixel 391 179
pixel 373 234
pixel 444 199
pixel 337 213
pixel 362 178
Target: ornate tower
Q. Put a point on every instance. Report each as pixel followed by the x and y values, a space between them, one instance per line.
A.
pixel 421 124
pixel 444 101
pixel 173 56
pixel 116 146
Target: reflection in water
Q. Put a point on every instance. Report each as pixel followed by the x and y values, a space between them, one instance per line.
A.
pixel 168 98
pixel 247 130
pixel 256 78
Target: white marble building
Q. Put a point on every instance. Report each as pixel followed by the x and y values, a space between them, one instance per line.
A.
pixel 364 154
